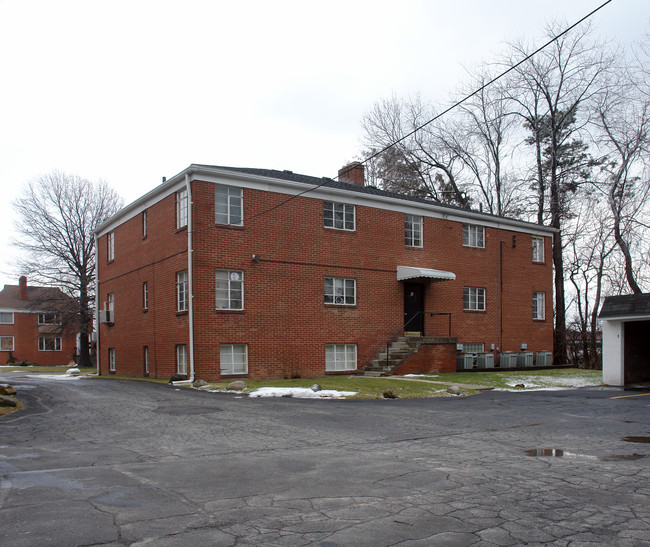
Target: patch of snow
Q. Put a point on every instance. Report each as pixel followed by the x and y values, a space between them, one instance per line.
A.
pixel 55 377
pixel 300 393
pixel 420 376
pixel 548 383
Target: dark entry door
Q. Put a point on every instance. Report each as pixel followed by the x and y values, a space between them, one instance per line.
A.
pixel 636 352
pixel 413 305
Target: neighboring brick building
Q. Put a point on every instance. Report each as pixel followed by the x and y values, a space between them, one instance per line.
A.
pixel 30 325
pixel 291 275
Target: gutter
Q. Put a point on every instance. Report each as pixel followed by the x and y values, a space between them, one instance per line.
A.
pixel 190 282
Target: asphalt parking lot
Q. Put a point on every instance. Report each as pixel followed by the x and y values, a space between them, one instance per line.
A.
pixel 108 462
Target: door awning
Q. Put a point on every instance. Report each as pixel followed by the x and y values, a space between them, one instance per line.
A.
pixel 410 272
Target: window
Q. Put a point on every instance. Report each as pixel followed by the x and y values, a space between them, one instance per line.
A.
pixel 338 215
pixel 49 319
pixel 228 205
pixel 145 296
pixel 111 359
pixel 339 290
pixel 181 208
pixel 110 242
pixel 473 347
pixel 340 357
pixel 181 359
pixel 538 305
pixel 538 249
pixel 145 358
pixel 110 300
pixel 6 343
pixel 473 299
pixel 473 236
pixel 233 358
pixel 49 343
pixel 144 224
pixel 413 230
pixel 181 291
pixel 6 317
pixel 229 289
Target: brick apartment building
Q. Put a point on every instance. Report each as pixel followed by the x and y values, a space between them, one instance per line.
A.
pixel 222 272
pixel 30 325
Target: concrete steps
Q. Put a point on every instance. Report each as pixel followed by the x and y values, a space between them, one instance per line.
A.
pixel 384 364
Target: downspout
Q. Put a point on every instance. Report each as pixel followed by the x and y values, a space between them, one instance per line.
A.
pixel 97 352
pixel 190 277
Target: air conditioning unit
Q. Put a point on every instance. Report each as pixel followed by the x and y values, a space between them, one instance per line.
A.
pixel 485 360
pixel 525 359
pixel 105 316
pixel 544 359
pixel 508 360
pixel 465 361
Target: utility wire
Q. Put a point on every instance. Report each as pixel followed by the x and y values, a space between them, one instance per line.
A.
pixel 446 111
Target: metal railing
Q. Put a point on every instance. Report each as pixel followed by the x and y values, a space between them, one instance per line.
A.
pixel 403 328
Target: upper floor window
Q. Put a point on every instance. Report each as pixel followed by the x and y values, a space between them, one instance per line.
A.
pixel 473 236
pixel 49 343
pixel 538 249
pixel 338 215
pixel 144 224
pixel 110 300
pixel 341 291
pixel 181 291
pixel 233 358
pixel 49 319
pixel 340 357
pixel 228 205
pixel 6 317
pixel 181 208
pixel 6 343
pixel 539 299
pixel 145 296
pixel 413 230
pixel 229 289
pixel 474 298
pixel 110 242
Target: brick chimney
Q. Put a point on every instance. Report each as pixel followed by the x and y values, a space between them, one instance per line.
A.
pixel 22 288
pixel 353 172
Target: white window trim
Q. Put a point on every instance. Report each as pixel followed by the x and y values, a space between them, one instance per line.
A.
pixel 42 319
pixel 538 249
pixel 145 358
pixel 181 359
pixel 12 343
pixel 231 193
pixel 11 322
pixel 539 312
pixel 182 295
pixel 145 295
pixel 58 343
pixel 334 350
pixel 472 239
pixel 145 228
pixel 111 359
pixel 337 284
pixel 473 295
pixel 231 280
pixel 231 352
pixel 415 238
pixel 110 246
pixel 181 209
pixel 343 209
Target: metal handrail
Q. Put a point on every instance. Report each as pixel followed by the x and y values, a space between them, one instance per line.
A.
pixel 403 328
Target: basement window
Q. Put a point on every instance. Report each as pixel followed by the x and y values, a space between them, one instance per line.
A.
pixel 340 357
pixel 233 359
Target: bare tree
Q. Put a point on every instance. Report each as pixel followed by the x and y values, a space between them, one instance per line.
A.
pixel 58 213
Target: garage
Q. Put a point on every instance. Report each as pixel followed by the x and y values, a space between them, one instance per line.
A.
pixel 626 339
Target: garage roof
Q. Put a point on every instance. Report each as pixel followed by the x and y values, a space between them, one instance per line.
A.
pixel 629 305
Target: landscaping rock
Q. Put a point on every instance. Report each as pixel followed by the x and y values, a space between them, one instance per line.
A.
pixel 7 401
pixel 453 390
pixel 390 394
pixel 316 387
pixel 237 385
pixel 199 383
pixel 520 386
pixel 6 389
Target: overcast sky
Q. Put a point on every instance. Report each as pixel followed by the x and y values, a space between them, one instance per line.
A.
pixel 131 91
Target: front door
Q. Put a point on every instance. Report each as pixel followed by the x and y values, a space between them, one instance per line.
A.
pixel 413 306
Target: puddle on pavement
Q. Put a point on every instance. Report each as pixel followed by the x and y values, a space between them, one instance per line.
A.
pixel 545 452
pixel 636 439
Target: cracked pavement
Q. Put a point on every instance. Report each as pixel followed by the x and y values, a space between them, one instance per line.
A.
pixel 109 462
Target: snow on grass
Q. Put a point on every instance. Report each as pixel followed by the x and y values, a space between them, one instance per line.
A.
pixel 549 382
pixel 420 376
pixel 56 377
pixel 300 393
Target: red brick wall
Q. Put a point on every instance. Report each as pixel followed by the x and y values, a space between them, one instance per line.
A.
pixel 430 358
pixel 26 332
pixel 285 322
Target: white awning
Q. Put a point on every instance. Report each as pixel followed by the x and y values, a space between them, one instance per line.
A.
pixel 409 272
